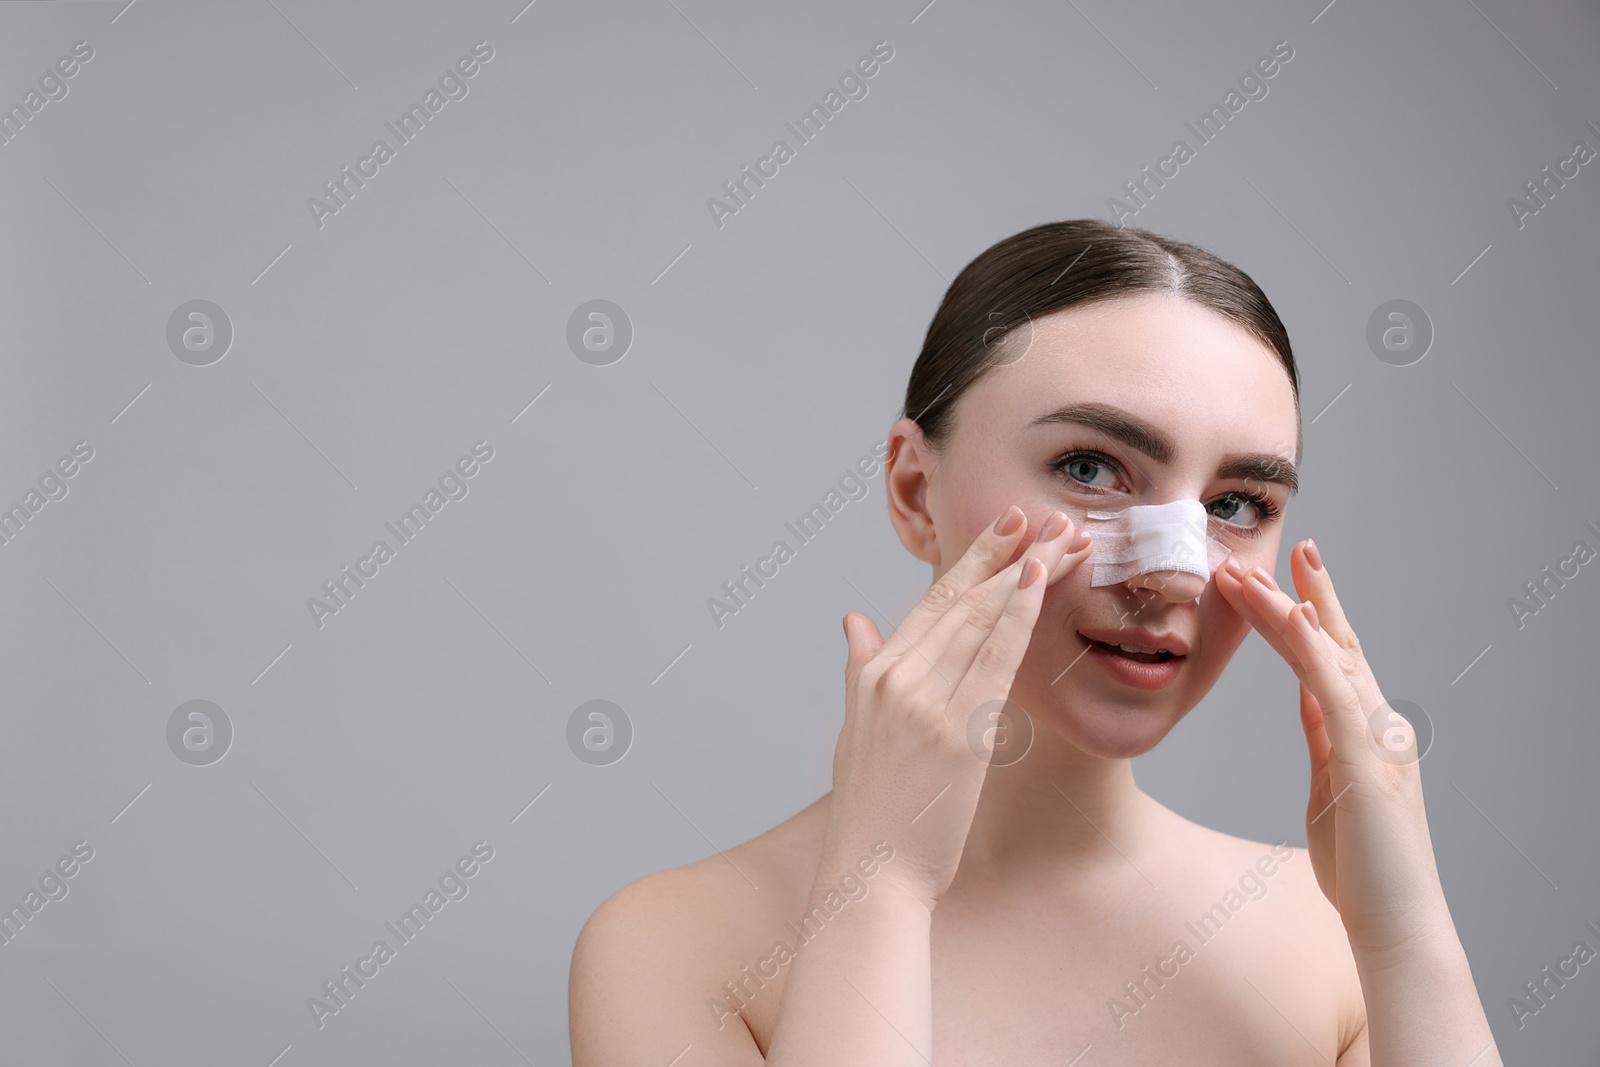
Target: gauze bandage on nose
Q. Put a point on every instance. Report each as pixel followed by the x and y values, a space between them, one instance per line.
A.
pixel 1152 537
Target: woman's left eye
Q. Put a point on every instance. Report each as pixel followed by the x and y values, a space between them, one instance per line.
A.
pixel 1229 506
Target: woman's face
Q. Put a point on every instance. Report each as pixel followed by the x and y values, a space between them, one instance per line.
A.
pixel 1188 392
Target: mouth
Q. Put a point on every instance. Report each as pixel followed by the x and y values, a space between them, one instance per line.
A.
pixel 1138 659
pixel 1133 652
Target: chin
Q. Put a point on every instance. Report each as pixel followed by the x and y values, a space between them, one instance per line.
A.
pixel 1108 721
pixel 1112 731
pixel 1112 709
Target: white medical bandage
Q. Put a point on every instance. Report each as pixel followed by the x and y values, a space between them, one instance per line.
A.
pixel 1175 536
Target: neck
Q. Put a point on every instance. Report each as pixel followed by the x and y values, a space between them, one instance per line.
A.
pixel 1056 816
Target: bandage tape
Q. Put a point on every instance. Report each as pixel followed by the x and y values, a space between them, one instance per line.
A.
pixel 1175 536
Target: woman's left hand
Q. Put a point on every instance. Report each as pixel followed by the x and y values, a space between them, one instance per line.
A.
pixel 1365 826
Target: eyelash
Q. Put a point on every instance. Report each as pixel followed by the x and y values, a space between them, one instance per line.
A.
pixel 1268 510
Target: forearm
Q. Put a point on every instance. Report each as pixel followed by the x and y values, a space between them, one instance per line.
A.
pixel 1423 1009
pixel 861 990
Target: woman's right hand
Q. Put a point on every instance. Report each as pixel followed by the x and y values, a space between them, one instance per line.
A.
pixel 910 763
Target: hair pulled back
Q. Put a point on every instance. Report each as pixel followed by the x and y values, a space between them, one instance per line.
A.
pixel 988 310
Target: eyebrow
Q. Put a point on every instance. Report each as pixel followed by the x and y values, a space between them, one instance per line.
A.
pixel 1139 434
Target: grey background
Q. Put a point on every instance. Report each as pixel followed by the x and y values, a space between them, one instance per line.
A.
pixel 769 356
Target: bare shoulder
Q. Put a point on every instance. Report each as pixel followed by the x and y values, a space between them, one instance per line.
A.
pixel 1264 870
pixel 649 963
pixel 1296 919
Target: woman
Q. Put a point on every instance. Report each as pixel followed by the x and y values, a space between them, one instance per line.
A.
pixel 985 883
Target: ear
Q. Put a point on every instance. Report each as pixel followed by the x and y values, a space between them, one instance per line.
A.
pixel 907 468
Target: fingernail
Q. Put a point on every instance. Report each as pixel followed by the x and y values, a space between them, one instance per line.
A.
pixel 1260 574
pixel 1234 567
pixel 1031 570
pixel 1313 556
pixel 1080 541
pixel 1311 614
pixel 1007 524
pixel 1053 526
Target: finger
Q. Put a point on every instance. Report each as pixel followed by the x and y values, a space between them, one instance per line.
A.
pixel 1074 537
pixel 1311 582
pixel 1271 613
pixel 1340 702
pixel 1077 542
pixel 1268 607
pixel 994 665
pixel 1273 607
pixel 1317 743
pixel 989 552
pixel 956 638
pixel 1256 611
pixel 1321 813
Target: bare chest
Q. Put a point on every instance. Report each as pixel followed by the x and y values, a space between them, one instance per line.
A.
pixel 1139 985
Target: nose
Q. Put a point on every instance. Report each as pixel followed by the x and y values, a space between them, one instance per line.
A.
pixel 1173 586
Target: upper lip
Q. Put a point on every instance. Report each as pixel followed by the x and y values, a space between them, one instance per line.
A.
pixel 1143 638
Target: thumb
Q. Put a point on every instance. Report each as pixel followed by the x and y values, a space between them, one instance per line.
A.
pixel 862 636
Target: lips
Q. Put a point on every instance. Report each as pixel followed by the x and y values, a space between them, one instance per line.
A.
pixel 1137 670
pixel 1140 644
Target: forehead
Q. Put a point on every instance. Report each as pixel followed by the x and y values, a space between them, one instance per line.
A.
pixel 1188 369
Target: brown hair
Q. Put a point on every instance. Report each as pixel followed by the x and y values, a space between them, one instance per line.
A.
pixel 1064 264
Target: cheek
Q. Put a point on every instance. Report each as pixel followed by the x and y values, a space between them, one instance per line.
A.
pixel 1072 602
pixel 982 500
pixel 1258 552
pixel 959 526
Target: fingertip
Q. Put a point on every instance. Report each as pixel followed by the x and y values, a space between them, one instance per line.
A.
pixel 1010 521
pixel 1072 558
pixel 1301 626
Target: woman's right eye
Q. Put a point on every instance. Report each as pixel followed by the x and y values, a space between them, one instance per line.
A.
pixel 1083 468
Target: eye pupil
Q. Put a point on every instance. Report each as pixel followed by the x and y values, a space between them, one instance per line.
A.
pixel 1229 506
